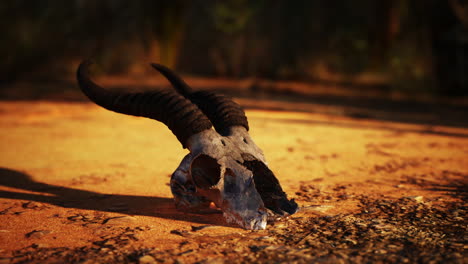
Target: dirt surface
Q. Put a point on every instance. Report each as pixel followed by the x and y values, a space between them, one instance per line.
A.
pixel 79 184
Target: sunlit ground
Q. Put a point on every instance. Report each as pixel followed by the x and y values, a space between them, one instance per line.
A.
pixel 67 169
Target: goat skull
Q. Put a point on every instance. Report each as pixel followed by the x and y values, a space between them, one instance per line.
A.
pixel 224 166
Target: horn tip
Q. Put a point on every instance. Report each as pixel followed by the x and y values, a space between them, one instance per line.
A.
pixel 86 63
pixel 157 66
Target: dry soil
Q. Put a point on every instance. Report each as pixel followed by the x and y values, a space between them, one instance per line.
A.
pixel 79 184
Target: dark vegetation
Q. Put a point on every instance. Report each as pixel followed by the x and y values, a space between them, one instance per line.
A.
pixel 413 45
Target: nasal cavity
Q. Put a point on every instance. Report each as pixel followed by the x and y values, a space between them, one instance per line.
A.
pixel 206 172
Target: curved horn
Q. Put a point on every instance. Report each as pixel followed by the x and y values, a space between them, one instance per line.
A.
pixel 221 110
pixel 182 117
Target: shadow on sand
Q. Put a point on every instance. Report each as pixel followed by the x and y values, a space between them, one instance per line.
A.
pixel 81 199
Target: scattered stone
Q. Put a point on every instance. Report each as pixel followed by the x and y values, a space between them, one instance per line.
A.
pixel 317 208
pixel 32 205
pixel 178 261
pixel 92 225
pixel 198 228
pixel 39 245
pixel 142 228
pixel 182 233
pixel 37 233
pixel 147 259
pixel 213 261
pixel 75 218
pixel 418 199
pixel 265 238
pixel 186 252
pixel 120 220
pixel 280 225
pixel 6 210
pixel 381 231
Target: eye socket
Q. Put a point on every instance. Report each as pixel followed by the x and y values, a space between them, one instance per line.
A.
pixel 205 171
pixel 245 141
pixel 222 142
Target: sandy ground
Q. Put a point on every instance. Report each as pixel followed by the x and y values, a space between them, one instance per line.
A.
pixel 82 184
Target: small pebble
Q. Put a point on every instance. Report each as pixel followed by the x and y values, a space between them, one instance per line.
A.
pixel 40 245
pixel 119 220
pixel 32 205
pixel 38 233
pixel 147 259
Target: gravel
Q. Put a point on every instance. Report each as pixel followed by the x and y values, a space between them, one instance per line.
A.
pixel 412 229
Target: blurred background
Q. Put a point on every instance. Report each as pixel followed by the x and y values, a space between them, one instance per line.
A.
pixel 418 48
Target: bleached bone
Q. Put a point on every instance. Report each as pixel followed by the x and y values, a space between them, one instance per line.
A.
pixel 224 166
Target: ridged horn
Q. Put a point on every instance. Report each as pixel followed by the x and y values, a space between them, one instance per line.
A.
pixel 221 110
pixel 182 117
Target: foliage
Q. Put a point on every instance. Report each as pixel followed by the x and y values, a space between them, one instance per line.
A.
pixel 275 39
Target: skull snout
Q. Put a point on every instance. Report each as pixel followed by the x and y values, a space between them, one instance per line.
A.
pixel 231 190
pixel 241 202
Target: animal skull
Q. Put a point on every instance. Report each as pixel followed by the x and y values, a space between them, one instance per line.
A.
pixel 224 166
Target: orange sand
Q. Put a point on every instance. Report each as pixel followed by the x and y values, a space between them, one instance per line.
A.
pixel 93 162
